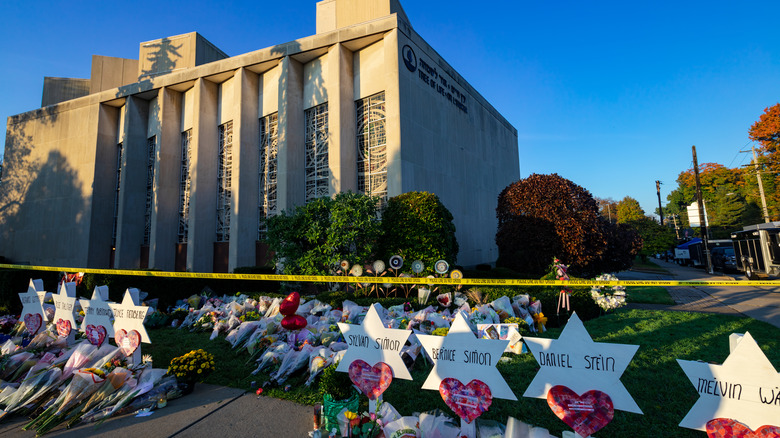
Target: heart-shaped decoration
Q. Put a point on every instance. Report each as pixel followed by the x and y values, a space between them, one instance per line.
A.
pixel 372 381
pixel 585 414
pixel 467 401
pixel 294 322
pixel 33 322
pixel 290 304
pixel 63 327
pixel 728 428
pixel 96 335
pixel 127 342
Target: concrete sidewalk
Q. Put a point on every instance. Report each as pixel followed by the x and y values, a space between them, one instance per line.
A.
pixel 758 302
pixel 210 411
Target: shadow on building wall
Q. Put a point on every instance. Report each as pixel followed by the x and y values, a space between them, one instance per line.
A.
pixel 163 58
pixel 42 205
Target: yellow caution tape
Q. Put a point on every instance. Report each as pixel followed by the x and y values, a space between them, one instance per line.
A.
pixel 393 280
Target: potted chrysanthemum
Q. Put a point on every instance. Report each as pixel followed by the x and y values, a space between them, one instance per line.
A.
pixel 192 367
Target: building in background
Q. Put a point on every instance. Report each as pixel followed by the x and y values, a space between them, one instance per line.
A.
pixel 171 161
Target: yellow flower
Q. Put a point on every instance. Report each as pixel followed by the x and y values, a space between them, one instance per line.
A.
pixel 350 415
pixel 199 371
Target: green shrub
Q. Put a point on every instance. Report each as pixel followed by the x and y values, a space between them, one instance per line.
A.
pixel 417 226
pixel 313 238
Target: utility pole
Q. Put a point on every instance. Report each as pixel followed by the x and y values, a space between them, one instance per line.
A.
pixel 702 219
pixel 658 191
pixel 676 228
pixel 760 185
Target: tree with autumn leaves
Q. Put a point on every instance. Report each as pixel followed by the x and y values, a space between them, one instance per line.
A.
pixel 547 216
pixel 766 131
pixel 729 198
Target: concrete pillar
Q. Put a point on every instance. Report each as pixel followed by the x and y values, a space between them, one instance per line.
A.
pixel 393 116
pixel 132 189
pixel 243 223
pixel 290 159
pixel 342 150
pixel 165 218
pixel 203 198
pixel 103 193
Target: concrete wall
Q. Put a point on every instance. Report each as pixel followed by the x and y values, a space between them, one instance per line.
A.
pixel 454 145
pixel 56 90
pixel 109 72
pixel 338 14
pixel 46 202
pixel 179 52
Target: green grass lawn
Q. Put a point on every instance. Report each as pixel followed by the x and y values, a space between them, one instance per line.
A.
pixel 648 295
pixel 654 379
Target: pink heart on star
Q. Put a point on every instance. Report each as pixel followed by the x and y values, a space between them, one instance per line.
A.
pixel 63 327
pixel 586 414
pixel 96 335
pixel 127 342
pixel 467 401
pixel 372 381
pixel 33 322
pixel 728 428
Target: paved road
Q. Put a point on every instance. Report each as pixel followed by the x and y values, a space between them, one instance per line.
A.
pixel 758 302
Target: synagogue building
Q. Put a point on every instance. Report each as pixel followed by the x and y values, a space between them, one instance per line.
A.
pixel 172 160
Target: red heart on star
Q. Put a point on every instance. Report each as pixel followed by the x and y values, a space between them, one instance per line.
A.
pixel 728 428
pixel 372 381
pixel 127 342
pixel 33 322
pixel 63 327
pixel 586 414
pixel 467 401
pixel 96 335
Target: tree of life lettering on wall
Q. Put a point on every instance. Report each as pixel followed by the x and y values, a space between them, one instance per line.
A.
pixel 65 310
pixel 372 342
pixel 589 369
pixel 745 389
pixel 97 317
pixel 129 329
pixel 32 310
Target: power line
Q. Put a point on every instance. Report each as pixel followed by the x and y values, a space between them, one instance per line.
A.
pixel 737 154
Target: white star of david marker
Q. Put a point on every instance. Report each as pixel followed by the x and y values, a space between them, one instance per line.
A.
pixel 463 356
pixel 129 315
pixel 745 388
pixel 575 361
pixel 65 304
pixel 97 311
pixel 373 343
pixel 32 299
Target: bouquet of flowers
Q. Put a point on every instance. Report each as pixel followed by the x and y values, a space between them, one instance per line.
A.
pixel 606 300
pixel 193 366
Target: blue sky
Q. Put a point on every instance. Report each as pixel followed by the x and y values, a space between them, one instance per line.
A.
pixel 611 95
